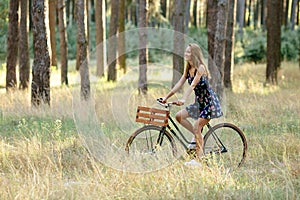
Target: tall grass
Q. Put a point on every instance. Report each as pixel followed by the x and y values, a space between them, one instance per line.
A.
pixel 43 157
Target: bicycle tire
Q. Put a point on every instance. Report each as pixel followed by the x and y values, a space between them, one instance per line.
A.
pixel 144 142
pixel 234 140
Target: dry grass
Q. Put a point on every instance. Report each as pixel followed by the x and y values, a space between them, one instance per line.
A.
pixel 43 157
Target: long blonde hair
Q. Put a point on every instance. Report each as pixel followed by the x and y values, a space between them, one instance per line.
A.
pixel 197 59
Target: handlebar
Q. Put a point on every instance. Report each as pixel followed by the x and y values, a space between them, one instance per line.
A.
pixel 166 105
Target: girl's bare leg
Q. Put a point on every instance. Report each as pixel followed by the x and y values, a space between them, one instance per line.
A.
pixel 181 117
pixel 201 122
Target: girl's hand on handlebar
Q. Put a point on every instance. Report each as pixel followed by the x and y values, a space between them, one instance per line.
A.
pixel 162 100
pixel 178 102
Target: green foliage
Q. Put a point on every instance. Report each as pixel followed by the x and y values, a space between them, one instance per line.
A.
pixel 200 37
pixel 290 44
pixel 252 46
pixel 31 126
pixel 72 41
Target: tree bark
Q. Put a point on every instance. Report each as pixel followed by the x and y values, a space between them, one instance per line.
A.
pixel 240 16
pixel 163 4
pixel 52 25
pixel 81 19
pixel 285 12
pixel 293 14
pixel 12 45
pixel 249 13
pixel 187 15
pixel 229 53
pixel 100 32
pixel 212 11
pixel 179 43
pixel 24 59
pixel 40 86
pixel 121 37
pixel 256 13
pixel 263 15
pixel 273 40
pixel 195 13
pixel 143 54
pixel 220 42
pixel 113 45
pixel 63 42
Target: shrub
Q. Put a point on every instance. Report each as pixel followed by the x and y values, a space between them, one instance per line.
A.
pixel 289 44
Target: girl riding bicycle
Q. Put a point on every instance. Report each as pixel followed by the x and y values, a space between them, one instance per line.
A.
pixel 206 105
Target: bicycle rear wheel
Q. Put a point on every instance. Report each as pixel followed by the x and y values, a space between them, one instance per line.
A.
pixel 225 145
pixel 151 143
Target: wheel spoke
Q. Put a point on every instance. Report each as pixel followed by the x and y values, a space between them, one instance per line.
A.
pixel 146 146
pixel 225 145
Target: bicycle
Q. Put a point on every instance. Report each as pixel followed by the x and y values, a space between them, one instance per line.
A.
pixel 224 144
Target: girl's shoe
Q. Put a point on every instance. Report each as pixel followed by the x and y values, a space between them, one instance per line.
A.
pixel 193 163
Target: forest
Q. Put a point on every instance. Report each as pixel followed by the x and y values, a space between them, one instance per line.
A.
pixel 73 72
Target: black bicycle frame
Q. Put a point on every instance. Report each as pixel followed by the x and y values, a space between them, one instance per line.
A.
pixel 181 134
pixel 185 141
pixel 218 141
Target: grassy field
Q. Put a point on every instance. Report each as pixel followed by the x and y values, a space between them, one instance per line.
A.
pixel 42 156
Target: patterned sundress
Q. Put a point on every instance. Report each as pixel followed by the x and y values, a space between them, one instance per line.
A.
pixel 207 104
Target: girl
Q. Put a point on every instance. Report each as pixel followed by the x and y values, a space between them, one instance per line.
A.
pixel 206 105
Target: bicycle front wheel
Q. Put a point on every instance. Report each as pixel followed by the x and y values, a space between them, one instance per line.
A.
pixel 152 143
pixel 225 145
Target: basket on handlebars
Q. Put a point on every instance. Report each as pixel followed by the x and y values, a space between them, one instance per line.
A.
pixel 152 116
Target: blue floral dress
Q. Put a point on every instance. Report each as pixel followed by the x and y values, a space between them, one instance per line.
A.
pixel 207 104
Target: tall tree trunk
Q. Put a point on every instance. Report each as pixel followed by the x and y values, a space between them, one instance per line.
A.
pixel 170 13
pixel 179 43
pixel 134 12
pixel 40 86
pixel 68 4
pixel 202 19
pixel 121 37
pixel 30 15
pixel 293 14
pixel 263 14
pixel 100 33
pixel 163 4
pixel 220 43
pixel 212 11
pixel 88 18
pixel 298 13
pixel 52 25
pixel 285 12
pixel 12 45
pixel 273 40
pixel 63 42
pixel 229 53
pixel 249 13
pixel 143 54
pixel 240 16
pixel 24 59
pixel 256 13
pixel 195 13
pixel 113 42
pixel 187 15
pixel 81 19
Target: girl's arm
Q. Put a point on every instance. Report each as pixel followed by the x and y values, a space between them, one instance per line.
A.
pixel 200 72
pixel 178 85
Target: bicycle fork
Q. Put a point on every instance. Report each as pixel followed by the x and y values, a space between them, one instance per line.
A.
pixel 159 140
pixel 221 146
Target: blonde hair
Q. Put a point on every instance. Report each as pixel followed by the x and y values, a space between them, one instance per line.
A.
pixel 197 59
